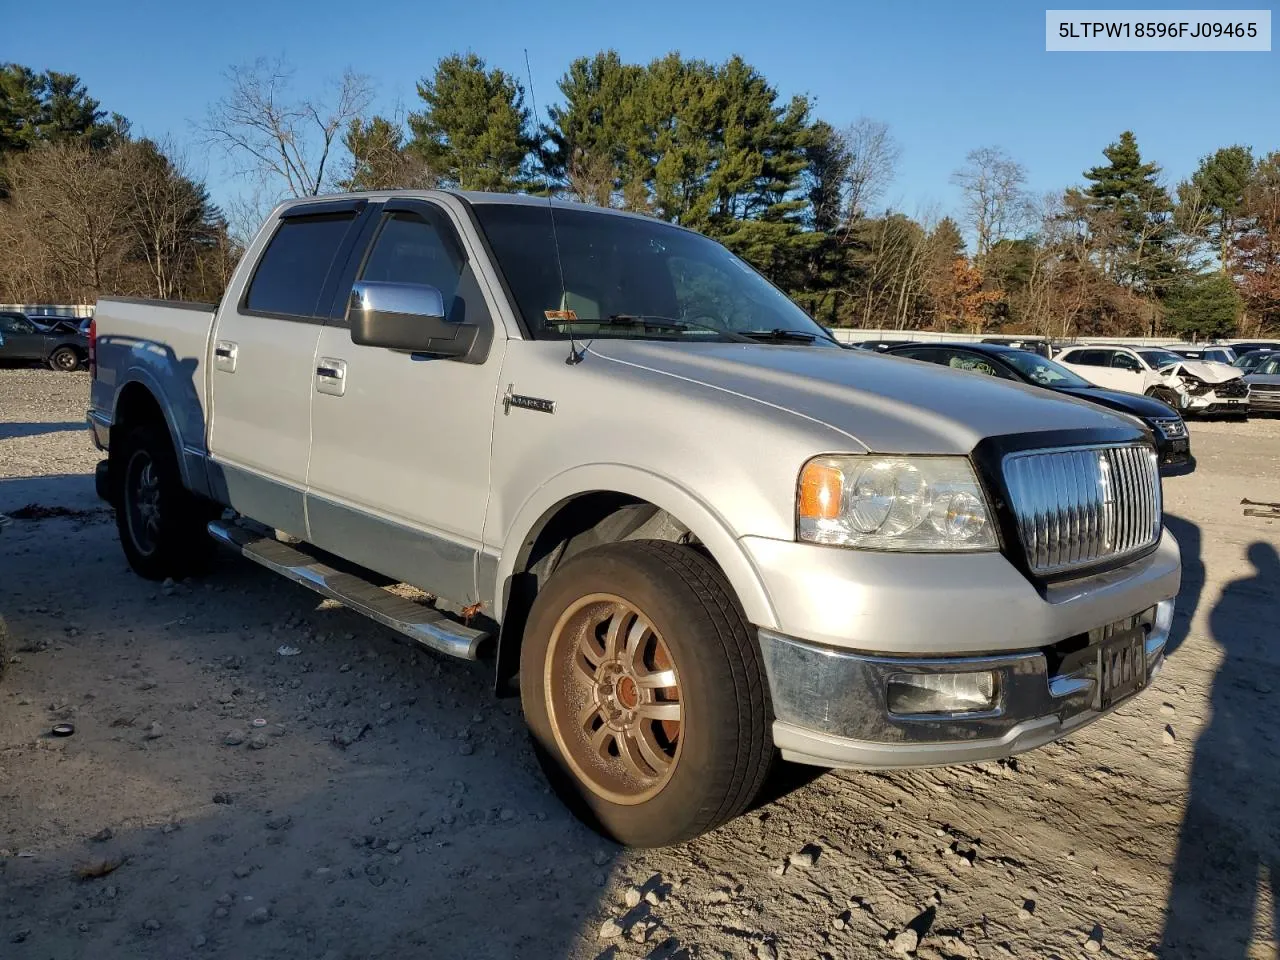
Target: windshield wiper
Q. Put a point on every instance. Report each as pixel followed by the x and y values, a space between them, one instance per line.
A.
pixel 649 321
pixel 778 333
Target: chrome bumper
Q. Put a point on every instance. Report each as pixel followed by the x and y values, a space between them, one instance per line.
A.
pixel 831 705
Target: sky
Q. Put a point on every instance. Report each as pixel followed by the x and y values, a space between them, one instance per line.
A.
pixel 946 76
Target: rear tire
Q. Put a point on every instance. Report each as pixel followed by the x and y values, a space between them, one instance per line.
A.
pixel 162 525
pixel 666 735
pixel 64 359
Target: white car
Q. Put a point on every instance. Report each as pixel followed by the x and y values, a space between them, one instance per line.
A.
pixel 1191 386
pixel 1208 354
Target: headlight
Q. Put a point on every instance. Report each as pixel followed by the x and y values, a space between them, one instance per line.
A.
pixel 894 503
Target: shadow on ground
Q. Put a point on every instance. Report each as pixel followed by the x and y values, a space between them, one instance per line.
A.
pixel 11 431
pixel 1225 861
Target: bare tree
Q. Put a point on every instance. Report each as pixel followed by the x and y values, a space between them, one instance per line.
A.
pixel 995 200
pixel 873 155
pixel 277 138
pixel 166 211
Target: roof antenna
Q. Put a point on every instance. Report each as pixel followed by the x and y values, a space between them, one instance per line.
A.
pixel 576 353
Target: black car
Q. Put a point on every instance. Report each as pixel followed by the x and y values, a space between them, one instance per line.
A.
pixel 23 342
pixel 877 346
pixel 1243 348
pixel 1172 441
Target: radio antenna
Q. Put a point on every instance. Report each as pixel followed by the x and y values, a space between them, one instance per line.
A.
pixel 576 354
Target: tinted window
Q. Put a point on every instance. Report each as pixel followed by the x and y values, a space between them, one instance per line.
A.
pixel 1125 362
pixel 424 248
pixel 416 249
pixel 1089 358
pixel 293 268
pixel 12 323
pixel 927 354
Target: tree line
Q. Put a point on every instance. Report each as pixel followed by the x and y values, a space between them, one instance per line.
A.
pixel 711 146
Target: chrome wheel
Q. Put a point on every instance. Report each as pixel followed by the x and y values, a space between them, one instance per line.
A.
pixel 613 694
pixel 142 502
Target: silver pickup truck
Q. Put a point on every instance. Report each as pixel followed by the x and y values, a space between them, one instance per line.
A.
pixel 628 471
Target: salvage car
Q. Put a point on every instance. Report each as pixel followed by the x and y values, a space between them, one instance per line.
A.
pixel 1264 385
pixel 23 342
pixel 688 527
pixel 1189 386
pixel 1173 444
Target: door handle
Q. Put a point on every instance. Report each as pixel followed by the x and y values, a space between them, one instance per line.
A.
pixel 225 354
pixel 331 376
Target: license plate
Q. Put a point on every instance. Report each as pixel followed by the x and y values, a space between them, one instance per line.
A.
pixel 1122 668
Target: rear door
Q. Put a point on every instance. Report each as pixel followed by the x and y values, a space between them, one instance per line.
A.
pixel 400 450
pixel 1095 365
pixel 263 362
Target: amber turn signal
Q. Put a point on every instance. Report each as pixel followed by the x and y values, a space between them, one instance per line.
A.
pixel 821 489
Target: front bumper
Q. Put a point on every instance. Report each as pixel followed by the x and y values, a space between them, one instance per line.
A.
pixel 832 708
pixel 1264 401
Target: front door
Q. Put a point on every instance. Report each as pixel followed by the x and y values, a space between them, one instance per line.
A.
pixel 263 363
pixel 22 341
pixel 399 475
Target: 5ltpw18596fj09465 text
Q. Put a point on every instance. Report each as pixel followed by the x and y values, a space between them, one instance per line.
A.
pixel 695 532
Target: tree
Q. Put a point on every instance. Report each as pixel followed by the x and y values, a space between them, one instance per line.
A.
pixel 474 131
pixel 1131 213
pixel 285 143
pixel 1204 306
pixel 1211 202
pixel 995 202
pixel 379 159
pixel 873 157
pixel 1257 259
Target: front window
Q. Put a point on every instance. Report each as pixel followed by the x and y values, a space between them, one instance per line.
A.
pixel 1159 359
pixel 586 273
pixel 1046 373
pixel 1268 367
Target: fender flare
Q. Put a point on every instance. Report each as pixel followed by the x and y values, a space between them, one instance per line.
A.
pixel 701 519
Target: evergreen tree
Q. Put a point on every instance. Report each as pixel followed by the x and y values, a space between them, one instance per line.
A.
pixel 474 130
pixel 1131 213
pixel 1217 191
pixel 1205 306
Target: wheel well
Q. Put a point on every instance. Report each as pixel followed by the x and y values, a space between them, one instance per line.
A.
pixel 571 526
pixel 137 406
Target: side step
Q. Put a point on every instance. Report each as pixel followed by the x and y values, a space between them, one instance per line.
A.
pixel 423 625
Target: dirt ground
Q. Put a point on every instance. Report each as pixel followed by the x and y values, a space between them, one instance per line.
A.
pixel 360 799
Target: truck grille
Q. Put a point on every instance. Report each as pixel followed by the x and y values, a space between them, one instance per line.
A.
pixel 1080 506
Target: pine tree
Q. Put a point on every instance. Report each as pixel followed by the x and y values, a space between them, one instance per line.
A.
pixel 474 130
pixel 1131 213
pixel 1206 306
pixel 1216 191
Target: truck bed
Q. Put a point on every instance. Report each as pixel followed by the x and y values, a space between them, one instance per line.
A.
pixel 163 343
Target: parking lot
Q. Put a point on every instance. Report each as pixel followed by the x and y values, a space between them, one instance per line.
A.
pixel 388 806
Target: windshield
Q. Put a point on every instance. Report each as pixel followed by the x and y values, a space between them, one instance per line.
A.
pixel 1037 369
pixel 625 270
pixel 1268 367
pixel 1160 359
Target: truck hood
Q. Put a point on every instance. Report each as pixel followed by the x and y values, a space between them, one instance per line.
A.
pixel 886 404
pixel 1210 371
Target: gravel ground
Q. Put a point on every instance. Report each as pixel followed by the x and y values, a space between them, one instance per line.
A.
pixel 361 799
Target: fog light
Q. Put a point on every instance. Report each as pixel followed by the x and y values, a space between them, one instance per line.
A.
pixel 919 693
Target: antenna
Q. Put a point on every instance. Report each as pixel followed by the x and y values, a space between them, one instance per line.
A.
pixel 576 355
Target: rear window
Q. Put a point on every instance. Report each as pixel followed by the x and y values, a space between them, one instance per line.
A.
pixel 294 266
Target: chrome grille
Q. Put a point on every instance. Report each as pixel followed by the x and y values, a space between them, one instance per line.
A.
pixel 1173 428
pixel 1083 505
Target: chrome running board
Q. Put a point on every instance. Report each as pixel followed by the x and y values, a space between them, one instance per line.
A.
pixel 431 628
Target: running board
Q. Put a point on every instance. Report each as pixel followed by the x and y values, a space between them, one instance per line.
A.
pixel 430 628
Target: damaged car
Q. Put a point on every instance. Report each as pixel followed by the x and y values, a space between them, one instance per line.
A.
pixel 1193 387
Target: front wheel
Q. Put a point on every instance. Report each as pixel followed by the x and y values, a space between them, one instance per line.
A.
pixel 645 694
pixel 64 359
pixel 1166 396
pixel 162 526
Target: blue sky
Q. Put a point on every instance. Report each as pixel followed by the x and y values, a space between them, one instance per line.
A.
pixel 946 76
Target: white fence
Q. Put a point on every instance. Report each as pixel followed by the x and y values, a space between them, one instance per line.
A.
pixel 77 310
pixel 929 336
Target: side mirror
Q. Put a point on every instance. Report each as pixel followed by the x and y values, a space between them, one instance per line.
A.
pixel 406 316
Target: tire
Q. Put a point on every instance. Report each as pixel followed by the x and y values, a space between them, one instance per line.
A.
pixel 688 628
pixel 64 359
pixel 1165 396
pixel 162 526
